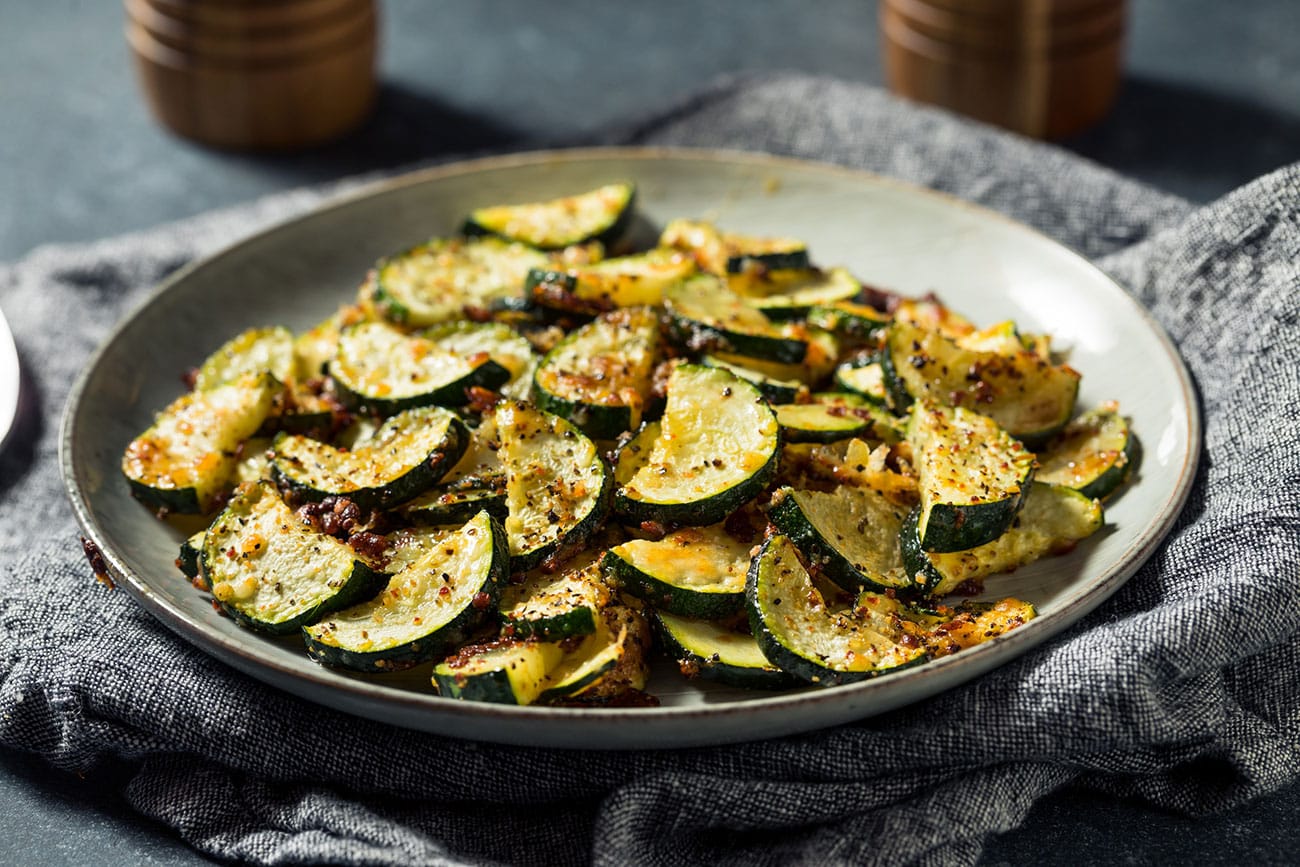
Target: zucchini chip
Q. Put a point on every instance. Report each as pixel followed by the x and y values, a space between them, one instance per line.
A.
pixel 1093 455
pixel 600 215
pixel 553 607
pixel 503 345
pixel 1054 519
pixel 711 651
pixel 186 460
pixel 972 477
pixel 404 457
pixel 800 634
pixel 557 485
pixel 694 572
pixel 426 609
pixel 271 572
pixel 502 672
pixel 624 281
pixel 436 282
pixel 255 351
pixel 707 316
pixel 717 448
pixel 783 295
pixel 598 377
pixel 381 369
pixel 728 253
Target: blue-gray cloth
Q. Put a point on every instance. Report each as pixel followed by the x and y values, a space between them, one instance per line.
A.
pixel 1182 690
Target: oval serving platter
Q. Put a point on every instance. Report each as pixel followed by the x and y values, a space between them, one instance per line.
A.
pixel 890 234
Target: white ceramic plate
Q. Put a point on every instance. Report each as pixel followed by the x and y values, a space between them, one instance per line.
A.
pixel 10 381
pixel 892 235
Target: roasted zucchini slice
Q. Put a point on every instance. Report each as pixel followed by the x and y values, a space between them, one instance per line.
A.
pixel 255 351
pixel 822 423
pixel 972 476
pixel 850 320
pixel 476 482
pixel 728 253
pixel 557 485
pixel 767 378
pixel 1093 454
pixel 625 281
pixel 503 672
pixel 783 295
pixel 190 558
pixel 409 453
pixel 503 344
pixel 707 316
pixel 717 447
pixel 865 377
pixel 943 630
pixel 427 608
pixel 694 572
pixel 185 461
pixel 1054 520
pixel 1031 399
pixel 601 215
pixel 438 281
pixel 383 370
pixel 850 533
pixel 800 634
pixel 552 607
pixel 711 651
pixel 598 377
pixel 272 572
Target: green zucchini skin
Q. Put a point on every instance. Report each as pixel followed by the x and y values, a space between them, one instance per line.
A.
pixel 704 315
pixel 800 635
pixel 700 489
pixel 819 423
pixel 1094 454
pixel 598 376
pixel 190 558
pixel 292 467
pixel 436 632
pixel 256 529
pixel 602 214
pixel 552 608
pixel 865 377
pixel 453 504
pixel 791 294
pixel 969 494
pixel 830 537
pixel 711 652
pixel 855 322
pixel 667 573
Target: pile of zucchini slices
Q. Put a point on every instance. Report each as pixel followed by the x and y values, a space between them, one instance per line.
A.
pixel 528 454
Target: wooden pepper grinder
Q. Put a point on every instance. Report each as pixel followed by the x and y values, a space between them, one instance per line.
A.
pixel 1045 68
pixel 255 74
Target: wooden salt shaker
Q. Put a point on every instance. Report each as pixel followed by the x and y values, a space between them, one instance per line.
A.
pixel 1045 68
pixel 255 74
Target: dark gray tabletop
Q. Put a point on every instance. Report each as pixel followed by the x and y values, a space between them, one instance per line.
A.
pixel 1211 99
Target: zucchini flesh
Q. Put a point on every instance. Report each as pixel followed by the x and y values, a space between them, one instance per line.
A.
pixel 504 672
pixel 1001 337
pixel 718 447
pixel 255 351
pixel 882 424
pixel 552 607
pixel 972 476
pixel 852 534
pixel 930 314
pixel 1028 397
pixel 582 669
pixel 190 558
pixel 706 315
pixel 426 608
pixel 711 651
pixel 601 215
pixel 557 485
pixel 760 375
pixel 477 481
pixel 598 377
pixel 382 369
pixel 865 377
pixel 503 344
pixel 406 455
pixel 800 634
pixel 1093 454
pixel 820 423
pixel 184 462
pixel 694 572
pixel 271 572
pixel 944 630
pixel 1053 520
pixel 635 453
pixel 438 281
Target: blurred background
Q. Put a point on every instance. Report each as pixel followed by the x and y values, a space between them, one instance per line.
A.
pixel 1210 96
pixel 1209 99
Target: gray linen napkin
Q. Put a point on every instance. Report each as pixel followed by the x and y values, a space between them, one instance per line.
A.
pixel 1183 690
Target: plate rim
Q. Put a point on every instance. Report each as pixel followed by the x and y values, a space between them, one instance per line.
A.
pixel 947 671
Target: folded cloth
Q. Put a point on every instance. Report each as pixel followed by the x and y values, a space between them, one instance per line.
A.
pixel 1183 689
